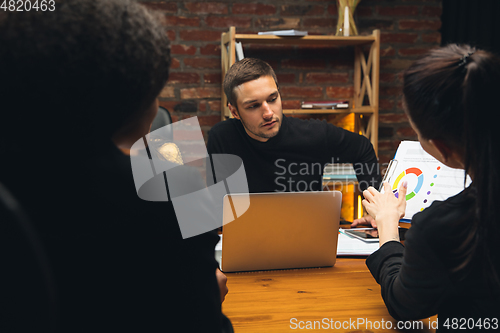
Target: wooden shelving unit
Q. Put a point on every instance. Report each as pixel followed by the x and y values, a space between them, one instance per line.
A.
pixel 366 73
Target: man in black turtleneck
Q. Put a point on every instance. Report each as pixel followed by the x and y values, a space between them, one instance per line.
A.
pixel 283 154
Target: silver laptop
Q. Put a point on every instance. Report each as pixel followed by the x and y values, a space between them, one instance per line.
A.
pixel 264 231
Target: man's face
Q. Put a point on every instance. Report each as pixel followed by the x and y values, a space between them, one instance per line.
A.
pixel 259 108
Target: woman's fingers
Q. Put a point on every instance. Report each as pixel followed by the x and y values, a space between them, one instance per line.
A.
pixel 369 193
pixel 372 190
pixel 402 191
pixel 367 205
pixel 402 198
pixel 368 197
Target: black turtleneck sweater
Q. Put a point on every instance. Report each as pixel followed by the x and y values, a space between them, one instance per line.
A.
pixel 293 160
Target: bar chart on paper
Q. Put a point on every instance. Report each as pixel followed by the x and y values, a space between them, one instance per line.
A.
pixel 428 179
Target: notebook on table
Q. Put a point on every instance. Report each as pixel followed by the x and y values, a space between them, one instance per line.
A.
pixel 280 230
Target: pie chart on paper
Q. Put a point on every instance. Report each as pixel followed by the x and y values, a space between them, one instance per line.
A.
pixel 420 181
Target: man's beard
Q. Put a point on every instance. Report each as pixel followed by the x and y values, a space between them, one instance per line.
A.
pixel 262 135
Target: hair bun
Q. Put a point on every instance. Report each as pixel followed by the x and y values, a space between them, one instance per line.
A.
pixel 465 58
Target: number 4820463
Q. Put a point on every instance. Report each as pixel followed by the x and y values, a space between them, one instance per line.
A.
pixel 471 324
pixel 28 5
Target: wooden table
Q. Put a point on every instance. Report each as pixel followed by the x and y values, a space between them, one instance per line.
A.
pixel 343 298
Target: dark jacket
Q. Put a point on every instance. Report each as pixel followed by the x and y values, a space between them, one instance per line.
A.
pixel 119 263
pixel 420 279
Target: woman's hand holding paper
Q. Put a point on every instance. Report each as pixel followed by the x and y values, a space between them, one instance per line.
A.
pixel 386 209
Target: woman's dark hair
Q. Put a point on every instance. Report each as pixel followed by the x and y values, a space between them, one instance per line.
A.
pixel 451 95
pixel 247 69
pixel 83 70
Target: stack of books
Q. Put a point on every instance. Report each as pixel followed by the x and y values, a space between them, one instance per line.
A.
pixel 339 172
pixel 331 104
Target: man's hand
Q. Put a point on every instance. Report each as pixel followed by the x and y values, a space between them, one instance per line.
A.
pixel 365 221
pixel 222 281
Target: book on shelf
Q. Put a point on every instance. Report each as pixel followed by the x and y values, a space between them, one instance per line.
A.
pixel 331 104
pixel 284 33
pixel 239 51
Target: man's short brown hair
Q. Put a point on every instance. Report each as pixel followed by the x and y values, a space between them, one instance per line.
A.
pixel 247 69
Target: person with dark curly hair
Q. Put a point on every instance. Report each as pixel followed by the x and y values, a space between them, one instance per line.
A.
pixel 77 83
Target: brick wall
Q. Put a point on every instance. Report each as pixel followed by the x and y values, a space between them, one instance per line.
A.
pixel 409 28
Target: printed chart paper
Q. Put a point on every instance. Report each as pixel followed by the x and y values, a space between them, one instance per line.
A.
pixel 428 179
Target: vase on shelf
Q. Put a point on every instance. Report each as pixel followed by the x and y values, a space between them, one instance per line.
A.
pixel 345 23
